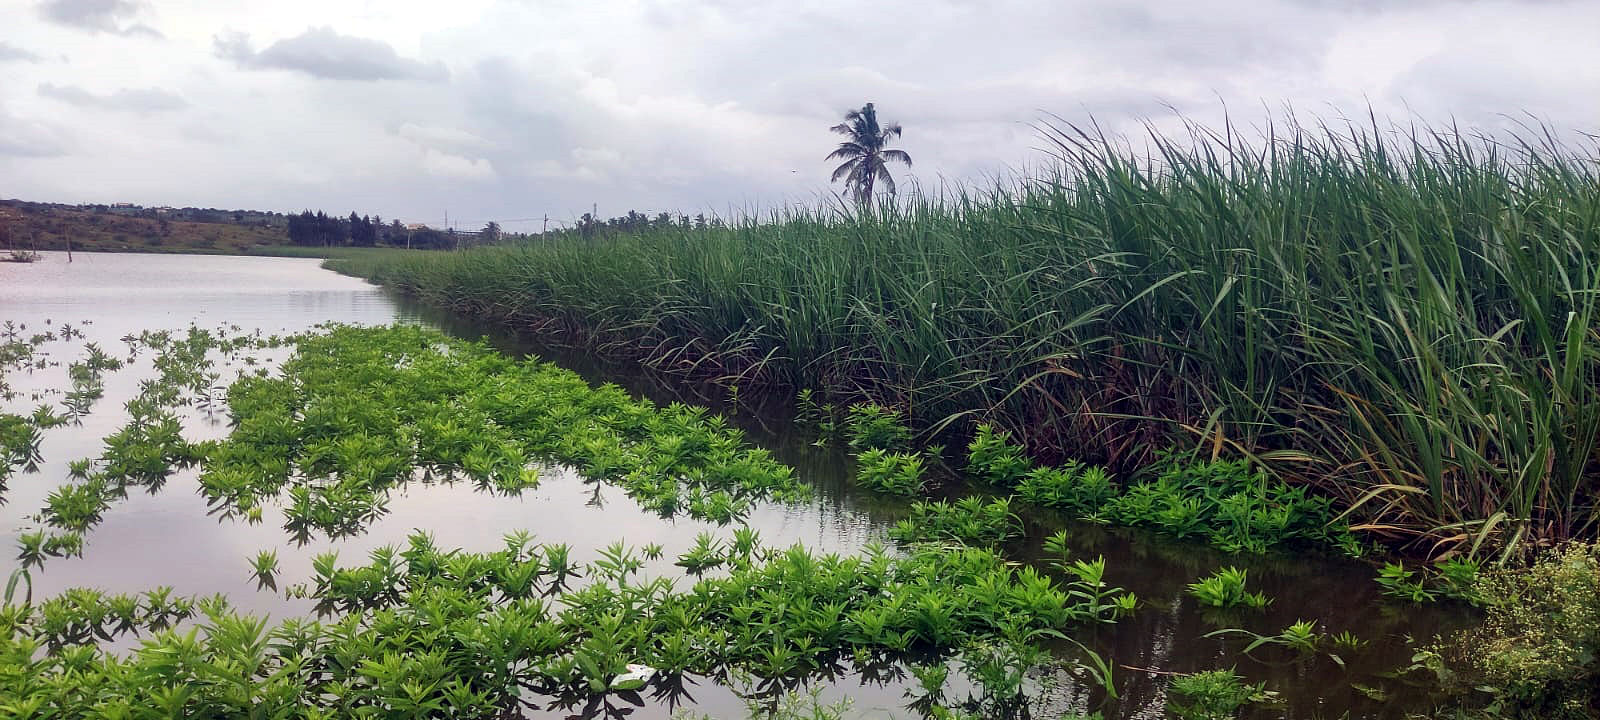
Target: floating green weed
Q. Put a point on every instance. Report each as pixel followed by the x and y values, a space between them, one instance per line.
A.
pixel 473 634
pixel 1073 488
pixel 1214 695
pixel 992 457
pixel 1233 506
pixel 875 427
pixel 356 413
pixel 1226 589
pixel 970 520
pixel 1455 579
pixel 884 471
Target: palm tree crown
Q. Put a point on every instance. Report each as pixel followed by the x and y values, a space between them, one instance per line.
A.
pixel 864 153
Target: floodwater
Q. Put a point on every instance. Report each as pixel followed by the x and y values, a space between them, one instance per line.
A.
pixel 167 537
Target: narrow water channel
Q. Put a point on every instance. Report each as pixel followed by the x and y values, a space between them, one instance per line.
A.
pixel 168 537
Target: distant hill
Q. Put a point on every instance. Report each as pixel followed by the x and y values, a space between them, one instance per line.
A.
pixel 132 228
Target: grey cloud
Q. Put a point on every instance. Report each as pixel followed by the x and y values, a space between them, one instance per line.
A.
pixel 108 16
pixel 322 52
pixel 137 100
pixel 12 53
pixel 24 138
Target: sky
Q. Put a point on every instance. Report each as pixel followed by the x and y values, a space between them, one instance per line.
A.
pixel 510 110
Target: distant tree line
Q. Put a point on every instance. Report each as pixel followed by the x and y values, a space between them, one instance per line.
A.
pixel 633 223
pixel 319 229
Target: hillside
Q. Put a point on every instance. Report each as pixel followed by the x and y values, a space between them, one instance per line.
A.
pixel 105 228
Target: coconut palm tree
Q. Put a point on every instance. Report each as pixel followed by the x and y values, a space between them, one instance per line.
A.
pixel 864 153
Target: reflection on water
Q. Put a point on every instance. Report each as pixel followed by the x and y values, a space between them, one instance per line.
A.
pixel 168 537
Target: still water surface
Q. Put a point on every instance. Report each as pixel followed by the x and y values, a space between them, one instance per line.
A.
pixel 168 537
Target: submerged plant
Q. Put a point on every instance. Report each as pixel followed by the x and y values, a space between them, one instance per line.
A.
pixel 1302 637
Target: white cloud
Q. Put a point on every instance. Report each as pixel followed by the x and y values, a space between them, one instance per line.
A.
pixel 137 100
pixel 455 167
pixel 107 16
pixel 24 138
pixel 322 52
pixel 12 53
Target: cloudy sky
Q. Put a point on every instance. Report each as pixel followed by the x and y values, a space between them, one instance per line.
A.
pixel 510 109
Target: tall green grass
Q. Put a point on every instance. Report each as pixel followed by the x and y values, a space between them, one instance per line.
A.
pixel 1404 319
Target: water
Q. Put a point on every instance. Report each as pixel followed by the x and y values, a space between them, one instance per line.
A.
pixel 168 538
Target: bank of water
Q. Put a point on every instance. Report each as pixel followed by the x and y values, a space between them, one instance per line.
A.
pixel 169 537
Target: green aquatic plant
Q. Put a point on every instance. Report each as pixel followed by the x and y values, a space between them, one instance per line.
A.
pixel 1301 637
pixel 264 569
pixel 895 473
pixel 1398 582
pixel 355 413
pixel 869 426
pixel 1455 579
pixel 475 634
pixel 19 446
pixel 992 457
pixel 1226 589
pixel 1214 695
pixel 811 414
pixel 1074 488
pixel 1234 506
pixel 970 520
pixel 35 546
pixel 708 552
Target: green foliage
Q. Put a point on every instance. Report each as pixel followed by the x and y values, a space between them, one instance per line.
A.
pixel 992 457
pixel 358 412
pixel 1398 582
pixel 895 473
pixel 1230 505
pixel 264 569
pixel 1455 579
pixel 1226 589
pixel 970 520
pixel 19 446
pixel 1406 315
pixel 1074 488
pixel 875 427
pixel 1303 638
pixel 423 630
pixel 1214 695
pixel 815 416
pixel 1537 652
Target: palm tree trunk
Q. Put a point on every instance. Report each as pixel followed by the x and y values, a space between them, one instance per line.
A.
pixel 866 196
